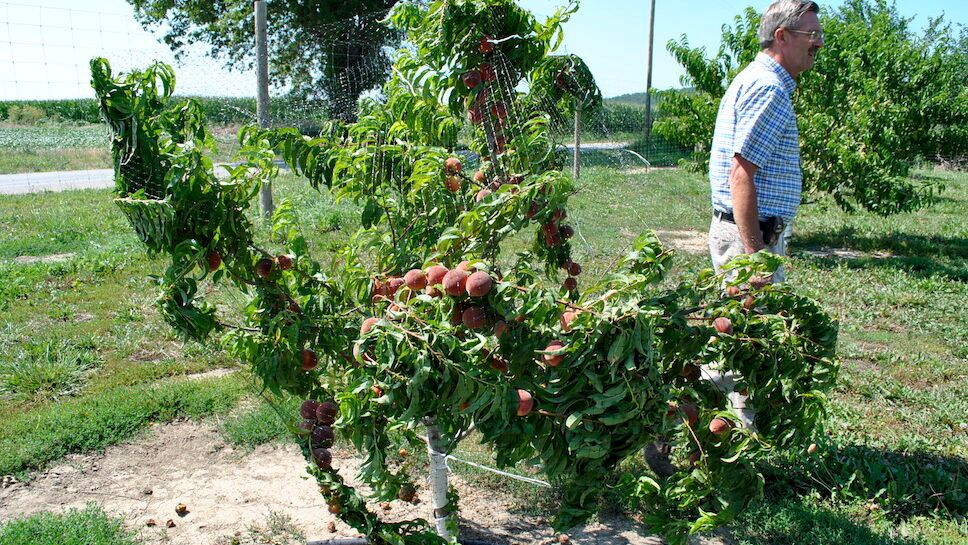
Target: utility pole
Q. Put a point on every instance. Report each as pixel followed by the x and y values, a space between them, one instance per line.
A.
pixel 262 104
pixel 648 79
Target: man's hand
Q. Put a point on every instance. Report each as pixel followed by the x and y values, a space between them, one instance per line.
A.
pixel 745 211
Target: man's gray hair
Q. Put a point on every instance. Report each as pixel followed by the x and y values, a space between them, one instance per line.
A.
pixel 783 14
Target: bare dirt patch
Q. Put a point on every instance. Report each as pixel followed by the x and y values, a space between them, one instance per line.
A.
pixel 228 492
pixel 687 240
pixel 52 258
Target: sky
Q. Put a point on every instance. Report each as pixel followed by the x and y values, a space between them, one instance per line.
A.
pixel 45 44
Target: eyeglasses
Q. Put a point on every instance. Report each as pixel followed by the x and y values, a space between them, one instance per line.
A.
pixel 814 35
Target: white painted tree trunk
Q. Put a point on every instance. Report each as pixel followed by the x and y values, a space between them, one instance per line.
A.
pixel 438 482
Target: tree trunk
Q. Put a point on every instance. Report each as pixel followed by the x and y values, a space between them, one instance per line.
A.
pixel 443 519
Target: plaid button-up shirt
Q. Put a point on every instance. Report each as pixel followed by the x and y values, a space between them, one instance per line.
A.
pixel 756 120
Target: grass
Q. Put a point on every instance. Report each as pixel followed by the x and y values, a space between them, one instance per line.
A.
pixel 90 526
pixel 30 440
pixel 48 369
pixel 891 471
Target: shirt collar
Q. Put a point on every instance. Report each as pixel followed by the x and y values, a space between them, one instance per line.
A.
pixel 788 82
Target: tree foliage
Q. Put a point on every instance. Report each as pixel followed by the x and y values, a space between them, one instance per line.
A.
pixel 326 50
pixel 577 381
pixel 879 98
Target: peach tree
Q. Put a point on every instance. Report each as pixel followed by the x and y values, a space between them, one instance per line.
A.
pixel 419 320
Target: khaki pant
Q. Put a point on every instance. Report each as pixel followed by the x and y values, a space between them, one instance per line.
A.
pixel 725 244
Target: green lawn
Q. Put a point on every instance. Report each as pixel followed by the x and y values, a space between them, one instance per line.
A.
pixel 891 471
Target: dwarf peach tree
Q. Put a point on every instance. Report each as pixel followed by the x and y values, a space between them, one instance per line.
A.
pixel 419 318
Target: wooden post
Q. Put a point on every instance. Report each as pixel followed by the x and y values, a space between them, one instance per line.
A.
pixel 262 104
pixel 576 171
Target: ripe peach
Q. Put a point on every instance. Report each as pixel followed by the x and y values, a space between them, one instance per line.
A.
pixel 690 411
pixel 368 325
pixel 457 315
pixel 487 72
pixel 748 302
pixel 812 448
pixel 475 115
pixel 499 110
pixel 525 402
pixel 485 45
pixel 309 360
pixel 552 240
pixel 534 209
pixel 553 360
pixel 378 291
pixel 335 507
pixel 499 365
pixel 326 410
pixel 719 426
pixel 322 436
pixel 394 283
pixel 481 195
pixel 570 284
pixel 435 274
pixel 559 214
pixel 723 325
pixel 465 265
pixel 500 328
pixel 732 291
pixel 479 284
pixel 567 231
pixel 377 391
pixel 567 318
pixel 308 409
pixel 263 267
pixel 407 493
pixel 574 269
pixel 480 177
pixel 415 279
pixel 284 261
pixel 214 259
pixel 472 78
pixel 455 282
pixel 474 317
pixel 550 228
pixel 453 183
pixel 453 165
pixel 694 457
pixel 323 459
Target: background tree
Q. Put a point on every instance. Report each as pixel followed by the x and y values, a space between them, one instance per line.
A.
pixel 879 99
pixel 326 50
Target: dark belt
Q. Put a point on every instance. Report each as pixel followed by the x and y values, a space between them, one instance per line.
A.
pixel 771 227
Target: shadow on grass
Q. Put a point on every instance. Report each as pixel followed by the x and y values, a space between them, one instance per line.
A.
pixel 918 255
pixel 903 484
pixel 797 522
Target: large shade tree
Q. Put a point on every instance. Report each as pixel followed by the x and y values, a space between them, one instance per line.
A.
pixel 328 50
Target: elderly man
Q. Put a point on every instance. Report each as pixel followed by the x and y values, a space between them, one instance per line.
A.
pixel 754 165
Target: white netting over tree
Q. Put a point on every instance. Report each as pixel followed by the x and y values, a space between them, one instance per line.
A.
pixel 425 319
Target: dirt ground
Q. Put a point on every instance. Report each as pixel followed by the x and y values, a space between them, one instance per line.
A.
pixel 237 497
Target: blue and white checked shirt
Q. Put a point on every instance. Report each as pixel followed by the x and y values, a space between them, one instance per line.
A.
pixel 756 120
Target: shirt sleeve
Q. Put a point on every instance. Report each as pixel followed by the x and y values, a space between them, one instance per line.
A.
pixel 760 117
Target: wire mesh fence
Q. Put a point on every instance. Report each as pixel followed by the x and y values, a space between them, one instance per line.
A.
pixel 51 135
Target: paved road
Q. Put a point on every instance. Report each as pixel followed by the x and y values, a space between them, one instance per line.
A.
pixel 34 182
pixel 55 181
